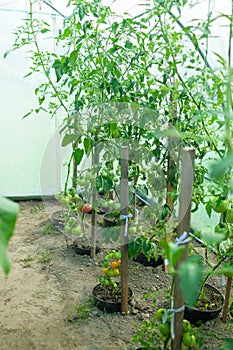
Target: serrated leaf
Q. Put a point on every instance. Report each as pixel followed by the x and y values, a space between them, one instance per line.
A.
pixel 190 279
pixel 134 249
pixel 219 168
pixel 174 253
pixel 73 56
pixel 8 216
pixel 212 237
pixel 87 145
pixel 78 155
pixel 68 139
pixel 208 209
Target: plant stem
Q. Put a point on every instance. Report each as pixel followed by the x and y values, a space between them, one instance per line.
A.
pixel 33 31
pixel 68 173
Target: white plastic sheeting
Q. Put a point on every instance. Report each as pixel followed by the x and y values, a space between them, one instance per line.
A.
pixel 22 141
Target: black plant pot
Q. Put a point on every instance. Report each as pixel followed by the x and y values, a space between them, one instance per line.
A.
pixel 108 304
pixel 197 317
pixel 111 219
pixel 142 259
pixel 81 249
pixel 59 218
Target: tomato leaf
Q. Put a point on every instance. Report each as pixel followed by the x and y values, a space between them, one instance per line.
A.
pixel 219 168
pixel 173 252
pixel 212 237
pixel 190 278
pixel 227 345
pixel 78 155
pixel 68 139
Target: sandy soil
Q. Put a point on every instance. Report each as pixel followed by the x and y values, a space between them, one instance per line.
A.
pixel 45 303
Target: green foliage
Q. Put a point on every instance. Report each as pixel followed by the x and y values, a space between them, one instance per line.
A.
pixel 26 262
pixel 81 313
pixel 190 278
pixel 228 344
pixel 8 216
pixel 173 252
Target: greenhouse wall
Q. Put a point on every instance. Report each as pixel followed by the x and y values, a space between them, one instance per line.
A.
pixel 23 141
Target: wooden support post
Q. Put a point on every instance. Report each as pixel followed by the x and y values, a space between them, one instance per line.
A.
pixel 124 237
pixel 94 214
pixel 185 200
pixel 227 299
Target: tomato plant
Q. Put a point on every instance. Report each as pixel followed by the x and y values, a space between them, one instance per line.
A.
pixel 111 268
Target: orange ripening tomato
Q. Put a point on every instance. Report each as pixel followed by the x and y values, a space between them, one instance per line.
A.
pixel 114 264
pixel 86 208
pixel 118 263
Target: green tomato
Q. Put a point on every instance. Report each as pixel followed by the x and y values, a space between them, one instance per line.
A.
pixel 220 206
pixel 104 174
pixel 68 229
pixel 110 203
pixel 106 282
pixel 229 215
pixel 82 181
pixel 133 229
pixel 222 229
pixel 189 340
pixel 101 191
pixel 106 263
pixel 77 230
pixel 186 326
pixel 117 255
pixel 65 200
pixel 164 328
pixel 106 258
pixel 160 313
pixel 102 280
pixel 116 206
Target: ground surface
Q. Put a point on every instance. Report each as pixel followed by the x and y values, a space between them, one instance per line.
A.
pixel 49 282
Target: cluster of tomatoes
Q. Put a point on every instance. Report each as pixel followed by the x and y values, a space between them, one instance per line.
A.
pixel 188 339
pixel 86 178
pixel 73 201
pixel 221 205
pixel 111 268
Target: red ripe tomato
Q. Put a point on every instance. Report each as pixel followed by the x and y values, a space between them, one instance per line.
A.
pixel 86 208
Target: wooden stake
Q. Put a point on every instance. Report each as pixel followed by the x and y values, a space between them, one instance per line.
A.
pixel 124 237
pixel 94 214
pixel 185 198
pixel 227 299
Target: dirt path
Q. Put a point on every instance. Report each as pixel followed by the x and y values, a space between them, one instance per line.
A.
pixel 45 303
